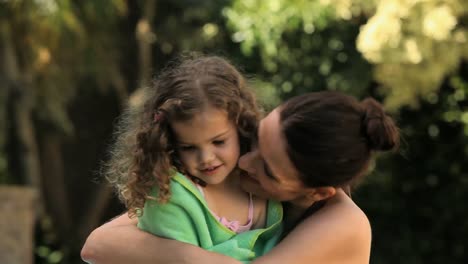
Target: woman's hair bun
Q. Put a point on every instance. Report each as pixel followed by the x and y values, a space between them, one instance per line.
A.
pixel 380 130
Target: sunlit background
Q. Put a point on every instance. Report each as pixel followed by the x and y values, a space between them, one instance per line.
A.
pixel 67 68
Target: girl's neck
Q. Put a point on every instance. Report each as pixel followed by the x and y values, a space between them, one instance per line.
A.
pixel 228 200
pixel 231 182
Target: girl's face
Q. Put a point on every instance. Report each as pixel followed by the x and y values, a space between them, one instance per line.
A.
pixel 207 145
pixel 272 174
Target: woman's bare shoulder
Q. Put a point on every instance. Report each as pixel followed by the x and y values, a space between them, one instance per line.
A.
pixel 342 218
pixel 338 233
pixel 345 209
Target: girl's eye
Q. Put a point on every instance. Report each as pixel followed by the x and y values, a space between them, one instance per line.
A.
pixel 218 142
pixel 186 148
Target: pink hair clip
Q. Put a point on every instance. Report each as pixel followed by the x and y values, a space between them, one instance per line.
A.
pixel 158 116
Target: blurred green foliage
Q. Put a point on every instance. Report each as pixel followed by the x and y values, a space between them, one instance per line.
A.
pixel 413 45
pixel 410 54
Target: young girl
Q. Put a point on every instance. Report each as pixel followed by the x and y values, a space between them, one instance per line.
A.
pixel 175 161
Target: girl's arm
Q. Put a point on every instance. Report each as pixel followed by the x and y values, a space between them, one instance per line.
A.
pixel 120 241
pixel 338 233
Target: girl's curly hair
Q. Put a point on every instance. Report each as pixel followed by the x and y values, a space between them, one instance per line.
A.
pixel 144 153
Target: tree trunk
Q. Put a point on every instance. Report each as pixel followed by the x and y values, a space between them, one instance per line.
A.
pixel 17 224
pixel 4 93
pixel 54 186
pixel 22 109
pixel 146 38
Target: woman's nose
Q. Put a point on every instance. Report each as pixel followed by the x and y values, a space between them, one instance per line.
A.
pixel 246 161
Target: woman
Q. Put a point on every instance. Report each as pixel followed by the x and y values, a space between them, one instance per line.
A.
pixel 309 150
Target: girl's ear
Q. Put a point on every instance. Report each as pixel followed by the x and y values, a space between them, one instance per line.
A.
pixel 321 193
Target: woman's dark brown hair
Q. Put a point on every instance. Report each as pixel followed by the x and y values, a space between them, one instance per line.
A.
pixel 331 136
pixel 144 155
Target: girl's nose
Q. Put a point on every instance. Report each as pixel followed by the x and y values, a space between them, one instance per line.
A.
pixel 206 156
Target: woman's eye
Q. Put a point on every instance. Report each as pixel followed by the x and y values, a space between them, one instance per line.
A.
pixel 218 142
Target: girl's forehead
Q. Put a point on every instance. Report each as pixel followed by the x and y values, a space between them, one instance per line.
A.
pixel 203 126
pixel 204 116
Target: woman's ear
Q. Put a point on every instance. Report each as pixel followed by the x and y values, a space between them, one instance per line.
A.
pixel 321 193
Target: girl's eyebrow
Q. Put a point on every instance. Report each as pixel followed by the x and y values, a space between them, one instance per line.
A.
pixel 211 139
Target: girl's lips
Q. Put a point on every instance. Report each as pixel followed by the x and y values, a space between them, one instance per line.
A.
pixel 210 170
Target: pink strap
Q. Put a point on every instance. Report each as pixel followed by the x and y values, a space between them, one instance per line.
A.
pixel 234 225
pixel 247 226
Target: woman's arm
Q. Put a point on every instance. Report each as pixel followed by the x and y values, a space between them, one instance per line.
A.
pixel 338 233
pixel 120 241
